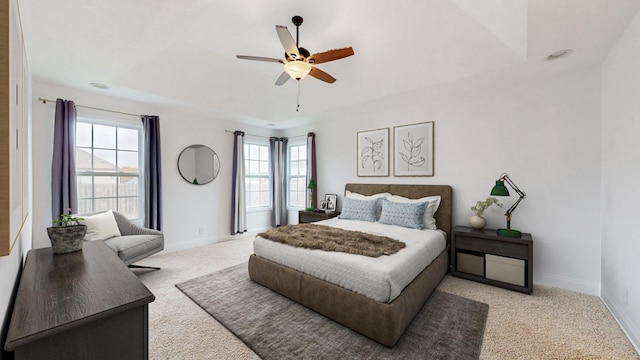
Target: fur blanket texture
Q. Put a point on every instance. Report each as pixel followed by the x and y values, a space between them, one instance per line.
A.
pixel 327 238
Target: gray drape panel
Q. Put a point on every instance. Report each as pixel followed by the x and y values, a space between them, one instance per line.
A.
pixel 278 177
pixel 152 173
pixel 238 204
pixel 64 193
pixel 311 166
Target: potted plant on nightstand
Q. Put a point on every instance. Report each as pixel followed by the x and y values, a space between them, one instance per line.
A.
pixel 477 220
pixel 67 235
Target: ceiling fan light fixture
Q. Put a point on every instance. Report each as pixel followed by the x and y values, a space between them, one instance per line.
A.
pixel 298 69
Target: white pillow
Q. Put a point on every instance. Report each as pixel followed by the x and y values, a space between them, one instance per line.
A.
pixel 434 202
pixel 356 196
pixel 100 226
pixel 352 195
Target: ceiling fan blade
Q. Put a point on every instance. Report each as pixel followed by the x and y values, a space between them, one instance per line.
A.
pixel 330 55
pixel 259 58
pixel 283 78
pixel 321 75
pixel 287 41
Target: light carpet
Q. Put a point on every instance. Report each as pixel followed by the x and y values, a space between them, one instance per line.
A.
pixel 550 324
pixel 447 327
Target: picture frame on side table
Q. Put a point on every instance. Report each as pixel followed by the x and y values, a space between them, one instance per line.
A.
pixel 413 149
pixel 373 152
pixel 331 202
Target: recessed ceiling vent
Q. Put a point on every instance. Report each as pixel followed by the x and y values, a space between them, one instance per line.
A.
pixel 559 54
pixel 99 86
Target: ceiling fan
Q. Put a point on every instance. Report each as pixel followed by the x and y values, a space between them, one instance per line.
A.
pixel 297 61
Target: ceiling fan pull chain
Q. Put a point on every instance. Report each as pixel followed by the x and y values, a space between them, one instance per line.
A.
pixel 298 107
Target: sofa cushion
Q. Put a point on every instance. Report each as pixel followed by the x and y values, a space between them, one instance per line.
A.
pixel 100 226
pixel 132 246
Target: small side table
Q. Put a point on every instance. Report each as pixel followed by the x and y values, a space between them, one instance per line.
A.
pixel 483 256
pixel 305 216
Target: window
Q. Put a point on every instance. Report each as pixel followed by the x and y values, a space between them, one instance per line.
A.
pixel 298 175
pixel 256 175
pixel 108 161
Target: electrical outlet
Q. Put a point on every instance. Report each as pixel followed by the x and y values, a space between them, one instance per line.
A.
pixel 200 230
pixel 625 296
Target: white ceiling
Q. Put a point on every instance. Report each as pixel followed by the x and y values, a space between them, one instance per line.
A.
pixel 182 53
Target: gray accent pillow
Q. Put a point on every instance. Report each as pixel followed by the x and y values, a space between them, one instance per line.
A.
pixel 407 215
pixel 363 210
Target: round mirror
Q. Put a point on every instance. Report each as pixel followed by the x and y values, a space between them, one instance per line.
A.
pixel 198 164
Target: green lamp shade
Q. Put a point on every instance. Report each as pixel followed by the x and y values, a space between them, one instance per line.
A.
pixel 499 189
pixel 312 184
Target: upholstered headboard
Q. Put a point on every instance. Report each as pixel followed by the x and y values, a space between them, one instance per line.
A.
pixel 442 216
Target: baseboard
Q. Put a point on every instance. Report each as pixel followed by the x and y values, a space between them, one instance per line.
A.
pixel 567 283
pixel 208 240
pixel 632 332
pixel 189 244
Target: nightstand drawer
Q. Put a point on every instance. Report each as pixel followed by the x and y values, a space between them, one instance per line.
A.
pixel 470 263
pixel 307 217
pixel 513 250
pixel 312 216
pixel 505 269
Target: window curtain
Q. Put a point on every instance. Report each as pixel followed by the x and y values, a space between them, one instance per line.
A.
pixel 311 167
pixel 152 172
pixel 238 204
pixel 64 193
pixel 278 175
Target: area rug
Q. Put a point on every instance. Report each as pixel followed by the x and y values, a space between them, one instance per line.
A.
pixel 274 327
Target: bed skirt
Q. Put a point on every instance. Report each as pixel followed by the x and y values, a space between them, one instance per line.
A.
pixel 382 322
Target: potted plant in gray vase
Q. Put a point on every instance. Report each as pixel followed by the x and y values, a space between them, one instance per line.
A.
pixel 67 235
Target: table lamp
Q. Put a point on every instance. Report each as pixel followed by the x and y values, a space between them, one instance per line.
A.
pixel 312 186
pixel 500 190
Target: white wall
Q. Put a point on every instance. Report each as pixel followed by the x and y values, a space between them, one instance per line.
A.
pixel 186 207
pixel 620 174
pixel 544 132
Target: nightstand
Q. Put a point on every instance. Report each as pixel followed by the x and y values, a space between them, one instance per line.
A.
pixel 483 256
pixel 305 216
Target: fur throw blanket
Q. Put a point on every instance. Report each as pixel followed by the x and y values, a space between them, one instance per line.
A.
pixel 327 238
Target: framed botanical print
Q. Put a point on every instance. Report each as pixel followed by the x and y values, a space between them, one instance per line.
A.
pixel 413 150
pixel 373 152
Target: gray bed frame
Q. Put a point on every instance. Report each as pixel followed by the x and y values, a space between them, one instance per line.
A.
pixel 382 322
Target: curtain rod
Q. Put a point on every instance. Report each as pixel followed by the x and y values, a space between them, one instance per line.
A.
pixel 266 137
pixel 44 101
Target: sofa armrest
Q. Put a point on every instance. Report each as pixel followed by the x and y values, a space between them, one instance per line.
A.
pixel 139 230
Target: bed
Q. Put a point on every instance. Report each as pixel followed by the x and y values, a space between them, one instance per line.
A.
pixel 382 321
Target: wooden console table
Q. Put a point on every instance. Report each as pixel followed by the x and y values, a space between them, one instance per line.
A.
pixel 82 305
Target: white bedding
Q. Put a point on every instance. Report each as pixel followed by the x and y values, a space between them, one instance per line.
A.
pixel 381 279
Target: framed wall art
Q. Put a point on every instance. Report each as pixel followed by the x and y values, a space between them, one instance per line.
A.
pixel 373 152
pixel 413 150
